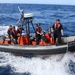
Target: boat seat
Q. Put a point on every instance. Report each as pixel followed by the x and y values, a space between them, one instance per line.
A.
pixel 33 42
pixel 51 40
pixel 6 41
pixel 21 41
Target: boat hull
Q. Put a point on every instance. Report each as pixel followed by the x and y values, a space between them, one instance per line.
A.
pixel 37 50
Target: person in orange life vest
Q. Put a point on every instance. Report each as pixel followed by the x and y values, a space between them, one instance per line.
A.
pixel 38 32
pixel 9 32
pixel 14 35
pixel 19 30
pixel 58 30
pixel 49 34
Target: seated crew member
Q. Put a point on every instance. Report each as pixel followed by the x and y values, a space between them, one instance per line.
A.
pixel 58 30
pixel 14 35
pixel 9 32
pixel 38 32
pixel 48 34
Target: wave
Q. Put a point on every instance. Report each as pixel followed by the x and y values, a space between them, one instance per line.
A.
pixel 51 65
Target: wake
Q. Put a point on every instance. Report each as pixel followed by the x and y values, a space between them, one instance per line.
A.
pixel 61 64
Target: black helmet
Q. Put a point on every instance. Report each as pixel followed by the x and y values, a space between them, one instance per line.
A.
pixel 38 24
pixel 10 26
pixel 19 25
pixel 13 27
pixel 57 19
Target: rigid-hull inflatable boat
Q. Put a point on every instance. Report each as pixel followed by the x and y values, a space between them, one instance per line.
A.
pixel 68 44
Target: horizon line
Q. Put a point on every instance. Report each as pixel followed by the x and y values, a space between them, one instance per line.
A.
pixel 40 3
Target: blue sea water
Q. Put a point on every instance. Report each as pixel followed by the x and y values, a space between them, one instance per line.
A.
pixel 43 14
pixel 63 64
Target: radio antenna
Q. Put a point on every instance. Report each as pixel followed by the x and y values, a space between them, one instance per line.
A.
pixel 20 10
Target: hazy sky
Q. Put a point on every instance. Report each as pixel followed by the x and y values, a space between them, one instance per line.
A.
pixel 67 2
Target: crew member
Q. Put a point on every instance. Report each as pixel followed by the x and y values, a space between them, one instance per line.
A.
pixel 58 30
pixel 19 31
pixel 48 35
pixel 9 31
pixel 14 35
pixel 38 32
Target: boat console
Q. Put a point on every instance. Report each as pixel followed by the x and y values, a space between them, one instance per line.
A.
pixel 28 16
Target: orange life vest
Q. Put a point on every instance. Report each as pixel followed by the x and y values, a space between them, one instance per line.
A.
pixel 48 36
pixel 14 31
pixel 20 29
pixel 57 25
pixel 10 29
pixel 39 29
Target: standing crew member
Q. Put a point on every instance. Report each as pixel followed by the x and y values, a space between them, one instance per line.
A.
pixel 58 29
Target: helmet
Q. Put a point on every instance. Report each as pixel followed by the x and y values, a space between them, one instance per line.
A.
pixel 13 27
pixel 57 19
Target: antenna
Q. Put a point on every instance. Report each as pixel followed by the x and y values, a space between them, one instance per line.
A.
pixel 20 10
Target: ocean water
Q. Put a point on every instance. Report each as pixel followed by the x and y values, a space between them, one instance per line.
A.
pixel 61 64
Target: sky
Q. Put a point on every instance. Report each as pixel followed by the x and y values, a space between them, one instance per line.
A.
pixel 66 2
